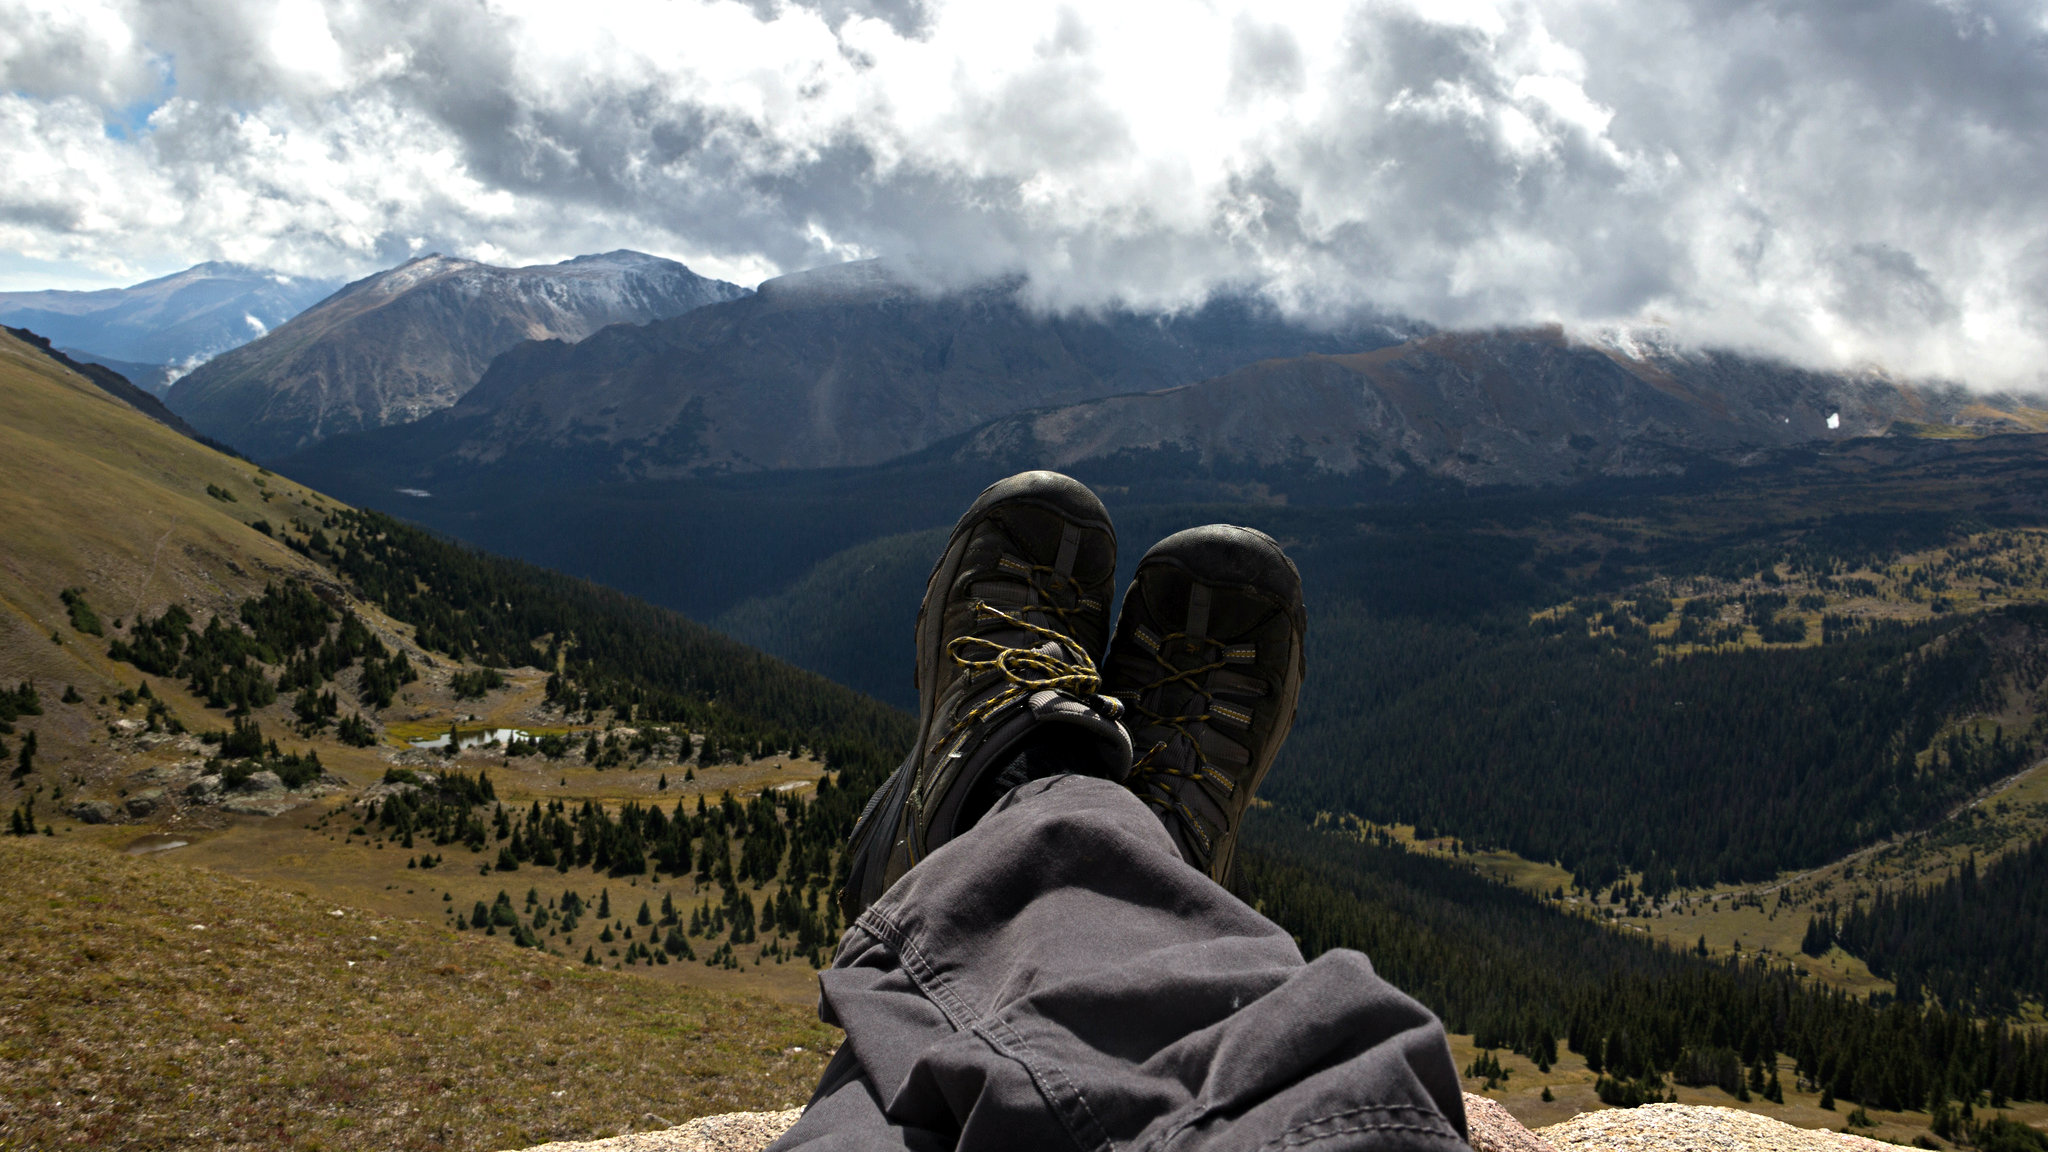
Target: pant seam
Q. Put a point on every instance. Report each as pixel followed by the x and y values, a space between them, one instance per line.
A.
pixel 1052 1084
pixel 1355 1129
pixel 1298 1136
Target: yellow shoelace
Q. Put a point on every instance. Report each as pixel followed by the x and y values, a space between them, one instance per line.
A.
pixel 1146 768
pixel 1027 670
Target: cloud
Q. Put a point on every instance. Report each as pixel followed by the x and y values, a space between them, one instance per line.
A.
pixel 1844 182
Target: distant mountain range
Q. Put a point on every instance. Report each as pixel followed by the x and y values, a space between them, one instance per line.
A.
pixel 836 367
pixel 1491 408
pixel 396 346
pixel 839 406
pixel 150 330
pixel 851 367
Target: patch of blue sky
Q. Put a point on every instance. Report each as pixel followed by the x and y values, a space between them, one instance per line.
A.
pixel 132 120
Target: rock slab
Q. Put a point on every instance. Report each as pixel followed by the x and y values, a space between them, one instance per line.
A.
pixel 1651 1128
pixel 1695 1128
pixel 732 1132
pixel 1495 1129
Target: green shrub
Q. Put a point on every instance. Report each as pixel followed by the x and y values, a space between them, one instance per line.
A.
pixel 83 618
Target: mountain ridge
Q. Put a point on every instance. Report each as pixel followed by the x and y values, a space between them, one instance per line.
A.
pixel 119 386
pixel 395 346
pixel 1527 407
pixel 846 365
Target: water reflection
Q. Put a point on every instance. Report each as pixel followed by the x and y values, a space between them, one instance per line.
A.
pixel 473 738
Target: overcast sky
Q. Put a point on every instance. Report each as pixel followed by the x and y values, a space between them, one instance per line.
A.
pixel 1845 182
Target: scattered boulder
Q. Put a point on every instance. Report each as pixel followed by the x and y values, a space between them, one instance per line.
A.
pixel 92 812
pixel 383 789
pixel 145 803
pixel 203 789
pixel 128 727
pixel 264 781
pixel 173 774
pixel 274 803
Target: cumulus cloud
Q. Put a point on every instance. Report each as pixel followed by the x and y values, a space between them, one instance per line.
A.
pixel 1845 182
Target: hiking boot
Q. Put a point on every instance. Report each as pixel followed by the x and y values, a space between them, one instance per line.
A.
pixel 1208 663
pixel 1014 623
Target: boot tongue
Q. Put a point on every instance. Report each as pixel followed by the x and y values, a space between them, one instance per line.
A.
pixel 1055 650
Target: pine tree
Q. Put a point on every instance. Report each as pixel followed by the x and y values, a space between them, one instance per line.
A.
pixel 1818 939
pixel 646 916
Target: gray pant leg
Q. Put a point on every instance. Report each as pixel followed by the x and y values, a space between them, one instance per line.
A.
pixel 1059 978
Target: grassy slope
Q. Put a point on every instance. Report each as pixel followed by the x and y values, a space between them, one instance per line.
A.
pixel 153 1005
pixel 100 497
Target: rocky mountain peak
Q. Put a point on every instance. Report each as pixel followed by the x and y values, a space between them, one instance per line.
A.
pixel 395 346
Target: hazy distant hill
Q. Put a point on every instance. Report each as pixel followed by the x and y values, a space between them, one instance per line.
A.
pixel 848 365
pixel 396 346
pixel 1489 408
pixel 155 379
pixel 174 320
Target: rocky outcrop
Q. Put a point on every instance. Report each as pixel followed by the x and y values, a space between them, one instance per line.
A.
pixel 166 788
pixel 1695 1128
pixel 144 803
pixel 1651 1128
pixel 732 1132
pixel 91 812
pixel 1493 1128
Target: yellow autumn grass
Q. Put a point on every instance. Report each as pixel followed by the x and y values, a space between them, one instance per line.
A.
pixel 149 1005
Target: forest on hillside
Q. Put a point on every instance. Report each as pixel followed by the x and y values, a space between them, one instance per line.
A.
pixel 1976 942
pixel 1473 675
pixel 1516 974
pixel 1592 751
